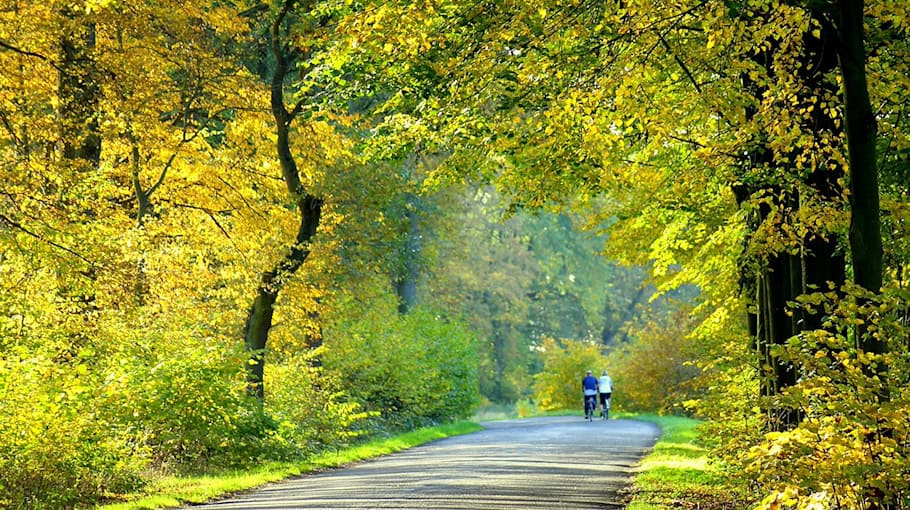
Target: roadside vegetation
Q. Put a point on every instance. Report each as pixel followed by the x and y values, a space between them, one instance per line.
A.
pixel 681 473
pixel 234 233
pixel 173 491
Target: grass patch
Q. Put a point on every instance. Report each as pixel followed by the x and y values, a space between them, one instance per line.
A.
pixel 521 409
pixel 679 473
pixel 495 412
pixel 174 491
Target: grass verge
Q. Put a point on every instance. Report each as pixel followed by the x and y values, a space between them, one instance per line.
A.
pixel 679 473
pixel 174 491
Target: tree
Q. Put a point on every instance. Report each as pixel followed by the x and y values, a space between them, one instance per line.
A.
pixel 484 274
pixel 309 207
pixel 558 385
pixel 702 122
pixel 861 134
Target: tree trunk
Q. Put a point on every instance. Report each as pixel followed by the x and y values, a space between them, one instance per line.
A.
pixel 79 93
pixel 259 318
pixel 616 332
pixel 862 132
pixel 408 272
pixel 818 264
pixel 824 264
pixel 865 222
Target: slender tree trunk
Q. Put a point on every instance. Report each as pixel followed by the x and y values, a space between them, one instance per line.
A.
pixel 408 273
pixel 309 208
pixel 616 333
pixel 79 93
pixel 865 222
pixel 499 358
pixel 776 325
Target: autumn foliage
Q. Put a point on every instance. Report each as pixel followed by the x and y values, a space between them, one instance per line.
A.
pixel 216 219
pixel 558 386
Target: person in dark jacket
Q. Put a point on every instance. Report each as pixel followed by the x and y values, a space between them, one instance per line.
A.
pixel 589 388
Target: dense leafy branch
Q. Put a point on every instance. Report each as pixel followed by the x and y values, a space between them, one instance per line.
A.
pixel 14 224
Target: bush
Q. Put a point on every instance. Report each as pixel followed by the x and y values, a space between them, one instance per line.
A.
pixel 558 386
pixel 312 413
pixel 851 449
pixel 525 408
pixel 654 367
pixel 849 446
pixel 56 448
pixel 414 370
pixel 188 405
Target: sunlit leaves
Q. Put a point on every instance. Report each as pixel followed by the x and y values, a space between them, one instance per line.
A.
pixel 558 386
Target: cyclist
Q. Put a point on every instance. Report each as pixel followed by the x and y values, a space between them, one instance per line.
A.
pixel 605 387
pixel 589 388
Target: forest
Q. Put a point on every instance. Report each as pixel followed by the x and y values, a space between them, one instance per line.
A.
pixel 241 231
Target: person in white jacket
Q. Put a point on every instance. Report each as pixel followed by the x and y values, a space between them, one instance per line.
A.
pixel 605 387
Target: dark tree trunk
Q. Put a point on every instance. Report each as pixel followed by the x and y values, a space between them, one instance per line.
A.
pixel 499 358
pixel 862 133
pixel 259 318
pixel 817 264
pixel 256 334
pixel 824 263
pixel 79 93
pixel 865 222
pixel 616 323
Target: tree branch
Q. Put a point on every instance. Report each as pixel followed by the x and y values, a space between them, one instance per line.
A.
pixel 25 52
pixel 679 61
pixel 12 223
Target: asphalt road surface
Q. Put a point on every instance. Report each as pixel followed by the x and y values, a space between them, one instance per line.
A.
pixel 552 463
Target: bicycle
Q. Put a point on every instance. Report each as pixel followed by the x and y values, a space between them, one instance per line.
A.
pixel 605 410
pixel 590 406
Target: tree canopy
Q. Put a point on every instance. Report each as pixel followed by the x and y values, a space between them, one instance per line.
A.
pixel 221 221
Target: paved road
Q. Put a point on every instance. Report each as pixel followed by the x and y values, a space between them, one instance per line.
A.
pixel 538 463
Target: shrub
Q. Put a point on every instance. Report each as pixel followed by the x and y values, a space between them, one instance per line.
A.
pixel 414 370
pixel 653 369
pixel 56 449
pixel 558 386
pixel 188 405
pixel 851 449
pixel 312 413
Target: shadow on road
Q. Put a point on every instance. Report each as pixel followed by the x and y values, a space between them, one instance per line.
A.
pixel 535 463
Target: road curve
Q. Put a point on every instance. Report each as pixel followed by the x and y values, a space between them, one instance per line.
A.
pixel 536 463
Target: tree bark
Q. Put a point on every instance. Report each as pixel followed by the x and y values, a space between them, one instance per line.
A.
pixel 818 264
pixel 862 131
pixel 865 222
pixel 408 272
pixel 79 93
pixel 824 263
pixel 259 318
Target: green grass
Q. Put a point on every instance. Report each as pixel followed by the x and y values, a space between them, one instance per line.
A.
pixel 497 412
pixel 678 473
pixel 174 491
